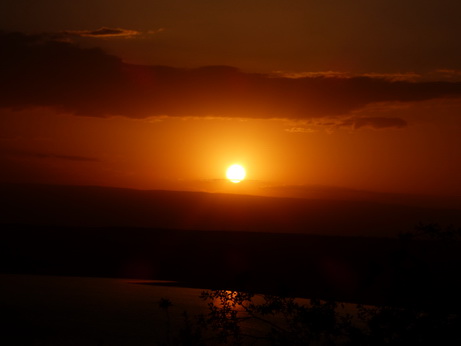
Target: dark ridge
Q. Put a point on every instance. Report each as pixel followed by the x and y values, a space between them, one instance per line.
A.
pixel 91 206
pixel 369 270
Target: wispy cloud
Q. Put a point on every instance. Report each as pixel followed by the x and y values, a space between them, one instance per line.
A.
pixel 312 74
pixel 12 152
pixel 106 32
pixel 299 129
pixel 374 122
pixel 447 74
pixel 396 77
pixel 351 122
pixel 409 76
pixel 62 157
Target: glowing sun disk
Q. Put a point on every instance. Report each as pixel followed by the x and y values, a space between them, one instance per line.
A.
pixel 236 173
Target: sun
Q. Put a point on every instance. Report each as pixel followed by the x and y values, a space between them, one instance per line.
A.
pixel 236 173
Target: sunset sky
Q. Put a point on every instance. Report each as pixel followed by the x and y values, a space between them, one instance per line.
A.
pixel 164 94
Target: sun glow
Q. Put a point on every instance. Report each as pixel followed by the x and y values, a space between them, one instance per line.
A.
pixel 236 173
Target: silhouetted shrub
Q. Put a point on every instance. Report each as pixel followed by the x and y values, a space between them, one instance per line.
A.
pixel 244 318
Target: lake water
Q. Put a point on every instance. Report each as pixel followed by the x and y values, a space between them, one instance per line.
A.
pixel 48 310
pixel 54 310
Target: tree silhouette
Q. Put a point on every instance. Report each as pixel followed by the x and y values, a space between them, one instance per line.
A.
pixel 245 318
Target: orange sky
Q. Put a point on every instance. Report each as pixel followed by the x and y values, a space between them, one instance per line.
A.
pixel 316 95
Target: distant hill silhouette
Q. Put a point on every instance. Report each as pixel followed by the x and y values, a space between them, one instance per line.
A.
pixel 91 206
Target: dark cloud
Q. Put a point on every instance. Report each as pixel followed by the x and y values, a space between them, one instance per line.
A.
pixel 41 72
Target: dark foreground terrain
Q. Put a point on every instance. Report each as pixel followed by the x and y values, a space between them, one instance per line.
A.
pixel 364 250
pixel 354 269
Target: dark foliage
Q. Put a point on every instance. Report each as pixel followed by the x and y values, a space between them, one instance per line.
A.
pixel 244 318
pixel 241 318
